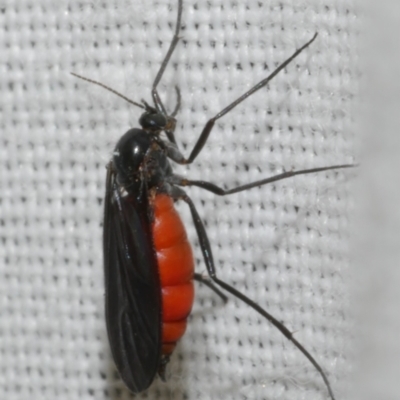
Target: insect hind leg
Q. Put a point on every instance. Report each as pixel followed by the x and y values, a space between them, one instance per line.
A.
pixel 207 282
pixel 179 194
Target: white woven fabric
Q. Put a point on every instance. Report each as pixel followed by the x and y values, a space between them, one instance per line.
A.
pixel 284 245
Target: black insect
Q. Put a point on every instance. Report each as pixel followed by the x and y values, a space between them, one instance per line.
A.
pixel 149 268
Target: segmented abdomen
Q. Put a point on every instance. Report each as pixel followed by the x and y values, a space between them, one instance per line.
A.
pixel 176 269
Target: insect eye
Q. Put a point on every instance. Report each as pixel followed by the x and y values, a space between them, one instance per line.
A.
pixel 152 121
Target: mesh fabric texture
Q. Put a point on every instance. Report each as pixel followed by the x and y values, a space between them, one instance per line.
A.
pixel 285 245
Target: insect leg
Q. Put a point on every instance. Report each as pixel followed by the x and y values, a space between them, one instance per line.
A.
pixel 170 132
pixel 211 187
pixel 206 281
pixel 178 102
pixel 177 193
pixel 210 123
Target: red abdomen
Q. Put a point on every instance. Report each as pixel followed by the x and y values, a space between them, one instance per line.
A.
pixel 176 269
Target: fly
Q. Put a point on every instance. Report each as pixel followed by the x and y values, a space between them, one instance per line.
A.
pixel 148 261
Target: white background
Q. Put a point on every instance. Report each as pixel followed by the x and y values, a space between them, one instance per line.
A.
pixel 377 275
pixel 285 245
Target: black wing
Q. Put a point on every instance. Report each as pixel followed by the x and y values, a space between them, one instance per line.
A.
pixel 133 296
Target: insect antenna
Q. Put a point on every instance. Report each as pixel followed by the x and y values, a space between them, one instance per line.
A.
pixel 156 98
pixel 109 89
